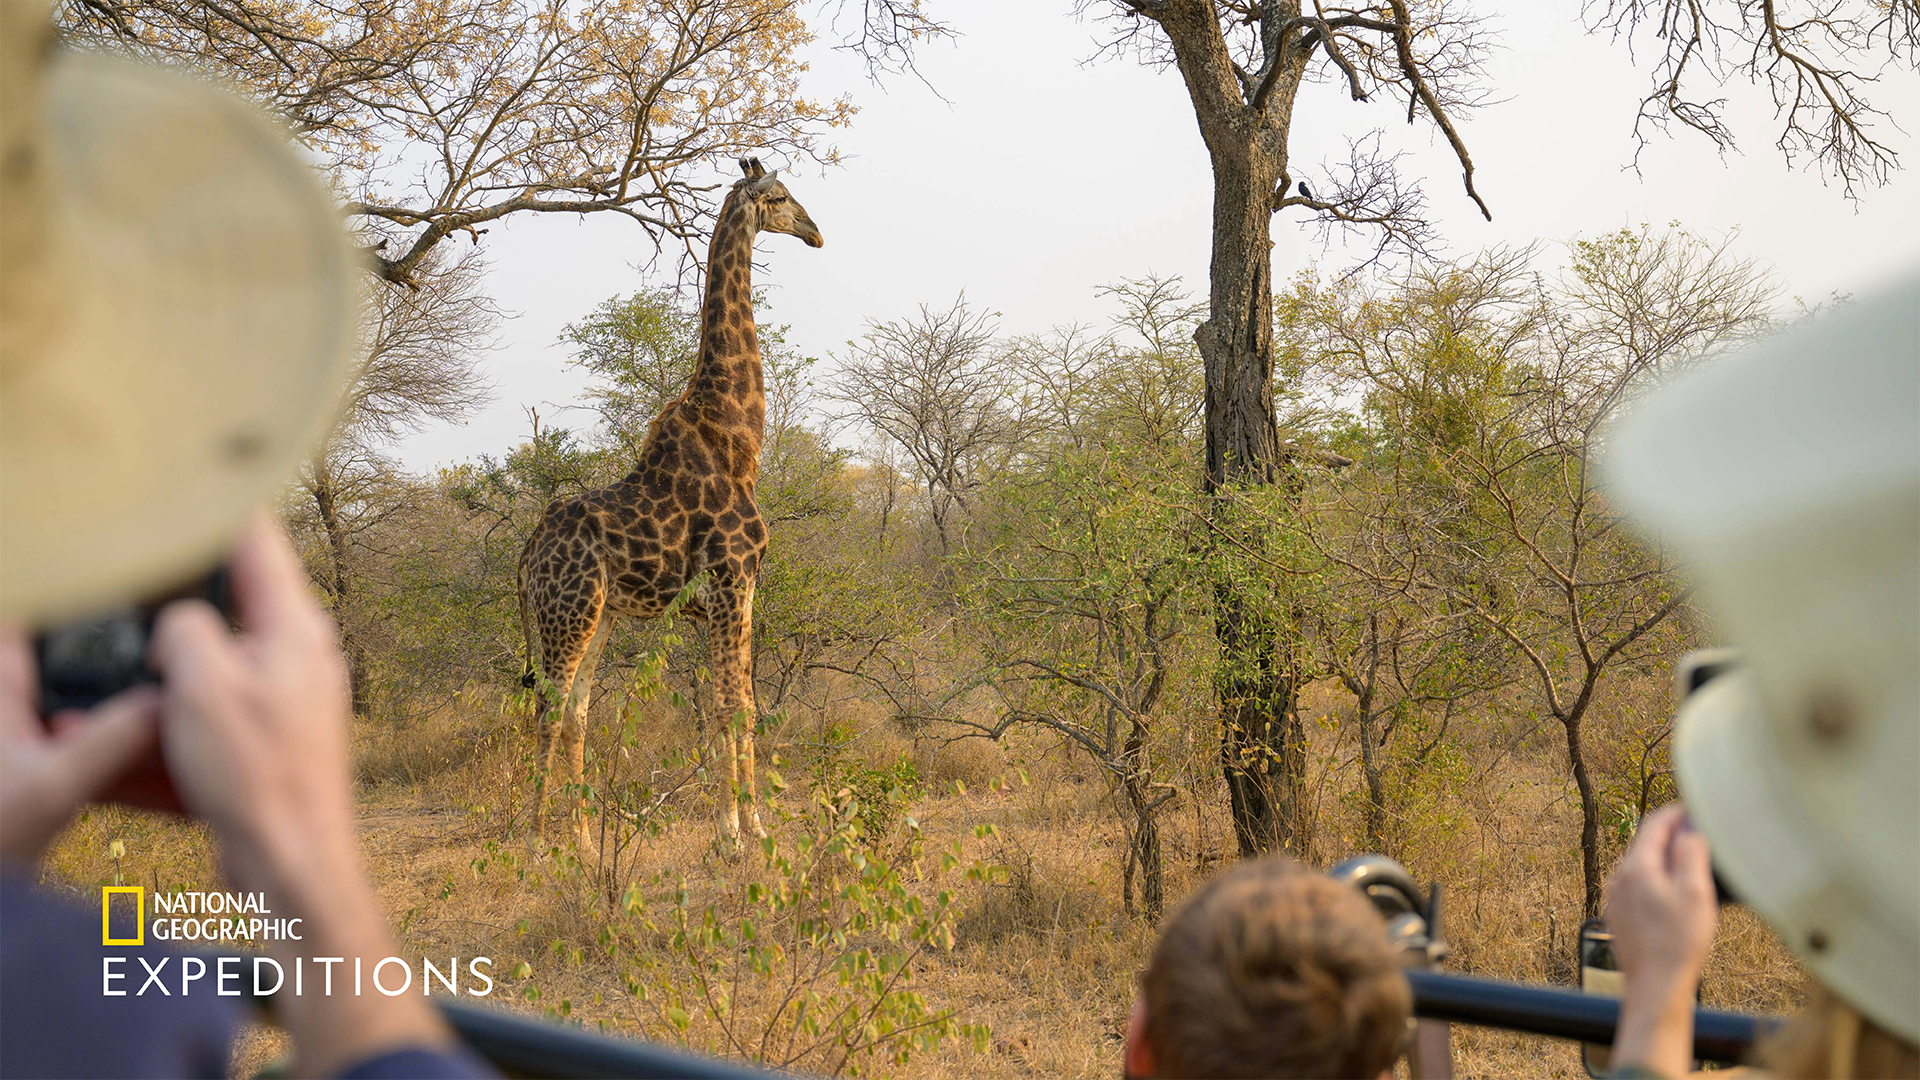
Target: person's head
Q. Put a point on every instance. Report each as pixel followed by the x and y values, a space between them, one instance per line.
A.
pixel 178 302
pixel 1788 479
pixel 1271 970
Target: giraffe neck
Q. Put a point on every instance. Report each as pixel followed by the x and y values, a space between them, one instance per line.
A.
pixel 727 380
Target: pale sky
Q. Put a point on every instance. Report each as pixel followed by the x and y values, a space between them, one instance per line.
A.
pixel 1045 174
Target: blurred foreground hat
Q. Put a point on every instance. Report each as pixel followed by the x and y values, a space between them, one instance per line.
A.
pixel 1788 476
pixel 177 309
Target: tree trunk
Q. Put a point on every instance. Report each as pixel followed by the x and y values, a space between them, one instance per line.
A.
pixel 1143 855
pixel 1143 837
pixel 339 582
pixel 1376 785
pixel 1262 752
pixel 1589 817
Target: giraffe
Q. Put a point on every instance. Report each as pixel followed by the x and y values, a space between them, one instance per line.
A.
pixel 686 509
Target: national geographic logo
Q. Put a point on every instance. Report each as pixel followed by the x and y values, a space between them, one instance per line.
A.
pixel 216 917
pixel 129 913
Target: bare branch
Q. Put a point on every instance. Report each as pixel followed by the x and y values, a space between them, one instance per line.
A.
pixel 1366 194
pixel 1815 64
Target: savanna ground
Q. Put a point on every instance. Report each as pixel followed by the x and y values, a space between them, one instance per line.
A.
pixel 1042 951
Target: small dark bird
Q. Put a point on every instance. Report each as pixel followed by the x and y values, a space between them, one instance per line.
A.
pixel 1304 193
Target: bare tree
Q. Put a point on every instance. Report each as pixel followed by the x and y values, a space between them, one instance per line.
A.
pixel 936 386
pixel 1058 372
pixel 418 350
pixel 1153 387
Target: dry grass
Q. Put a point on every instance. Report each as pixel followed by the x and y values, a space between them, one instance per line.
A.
pixel 1044 953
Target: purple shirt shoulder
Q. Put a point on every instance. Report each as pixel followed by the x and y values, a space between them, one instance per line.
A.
pixel 55 1019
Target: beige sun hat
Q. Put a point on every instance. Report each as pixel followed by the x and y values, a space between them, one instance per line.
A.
pixel 177 314
pixel 1788 475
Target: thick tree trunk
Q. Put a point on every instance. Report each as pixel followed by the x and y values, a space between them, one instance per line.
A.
pixel 1262 752
pixel 1236 341
pixel 1262 742
pixel 339 582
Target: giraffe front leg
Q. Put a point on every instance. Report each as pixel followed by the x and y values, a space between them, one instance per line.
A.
pixel 753 786
pixel 730 818
pixel 729 641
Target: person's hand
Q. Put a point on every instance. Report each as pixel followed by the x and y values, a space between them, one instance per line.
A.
pixel 255 730
pixel 1661 911
pixel 47 775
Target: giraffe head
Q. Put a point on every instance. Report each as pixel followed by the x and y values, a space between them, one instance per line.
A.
pixel 776 207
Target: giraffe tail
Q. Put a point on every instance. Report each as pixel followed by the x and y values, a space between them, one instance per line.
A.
pixel 528 677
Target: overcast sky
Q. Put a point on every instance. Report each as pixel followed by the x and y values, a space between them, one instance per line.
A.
pixel 1046 173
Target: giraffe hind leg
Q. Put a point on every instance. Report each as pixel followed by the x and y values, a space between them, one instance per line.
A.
pixel 573 728
pixel 567 659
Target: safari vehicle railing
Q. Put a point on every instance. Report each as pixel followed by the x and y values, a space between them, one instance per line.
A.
pixel 520 1045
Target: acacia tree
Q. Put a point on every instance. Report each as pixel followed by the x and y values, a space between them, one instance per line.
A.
pixel 640 349
pixel 936 386
pixel 1087 585
pixel 438 117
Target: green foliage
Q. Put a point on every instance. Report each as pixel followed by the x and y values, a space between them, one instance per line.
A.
pixel 880 798
pixel 640 349
pixel 805 957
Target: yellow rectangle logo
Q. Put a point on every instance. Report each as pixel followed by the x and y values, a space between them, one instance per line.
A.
pixel 139 914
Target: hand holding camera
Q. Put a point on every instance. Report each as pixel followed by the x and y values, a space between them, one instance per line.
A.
pixel 81 710
pixel 48 770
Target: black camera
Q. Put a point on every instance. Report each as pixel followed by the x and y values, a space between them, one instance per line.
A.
pixel 85 662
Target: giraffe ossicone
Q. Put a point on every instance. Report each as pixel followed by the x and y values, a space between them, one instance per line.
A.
pixel 685 513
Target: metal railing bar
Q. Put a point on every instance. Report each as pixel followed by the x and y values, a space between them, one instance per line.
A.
pixel 1723 1037
pixel 522 1045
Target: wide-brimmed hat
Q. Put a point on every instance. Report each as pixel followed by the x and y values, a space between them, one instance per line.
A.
pixel 177 316
pixel 1788 475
